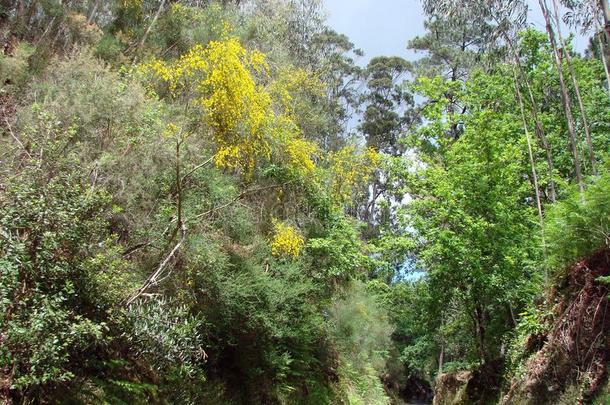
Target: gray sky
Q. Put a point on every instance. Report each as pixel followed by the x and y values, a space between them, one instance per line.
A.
pixel 383 27
pixel 378 27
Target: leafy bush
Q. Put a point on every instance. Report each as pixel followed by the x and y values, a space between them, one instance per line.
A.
pixel 167 336
pixel 52 311
pixel 171 341
pixel 103 107
pixel 14 68
pixel 109 49
pixel 580 224
pixel 336 254
pixel 361 331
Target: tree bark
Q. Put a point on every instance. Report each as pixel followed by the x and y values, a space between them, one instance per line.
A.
pixel 531 158
pixel 480 332
pixel 602 51
pixel 93 11
pixel 30 12
pixel 534 112
pixel 565 97
pixel 581 107
pixel 606 13
pixel 441 359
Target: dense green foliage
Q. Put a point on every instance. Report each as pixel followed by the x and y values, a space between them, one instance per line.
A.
pixel 579 225
pixel 188 215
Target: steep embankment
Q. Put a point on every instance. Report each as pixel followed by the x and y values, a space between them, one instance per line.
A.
pixel 567 364
pixel 575 351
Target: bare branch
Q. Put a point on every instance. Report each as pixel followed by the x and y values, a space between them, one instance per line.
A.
pixel 199 166
pixel 10 131
pixel 154 277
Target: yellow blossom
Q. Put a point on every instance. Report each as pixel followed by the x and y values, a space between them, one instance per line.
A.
pixel 286 240
pixel 350 168
pixel 240 112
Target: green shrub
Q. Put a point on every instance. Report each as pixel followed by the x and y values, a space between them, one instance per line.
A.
pixel 110 49
pixel 53 314
pixel 14 69
pixel 361 331
pixel 579 225
pixel 166 335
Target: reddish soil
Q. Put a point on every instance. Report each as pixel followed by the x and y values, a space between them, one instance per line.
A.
pixel 577 348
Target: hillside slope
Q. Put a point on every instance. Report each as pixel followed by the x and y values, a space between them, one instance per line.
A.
pixel 576 348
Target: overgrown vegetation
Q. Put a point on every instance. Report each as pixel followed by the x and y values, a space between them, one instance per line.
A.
pixel 189 215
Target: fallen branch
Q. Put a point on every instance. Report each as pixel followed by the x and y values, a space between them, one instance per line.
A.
pixel 141 245
pixel 153 278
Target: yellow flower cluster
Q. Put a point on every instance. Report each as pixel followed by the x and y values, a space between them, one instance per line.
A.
pixel 239 111
pixel 295 151
pixel 286 240
pixel 291 81
pixel 300 152
pixel 351 168
pixel 170 130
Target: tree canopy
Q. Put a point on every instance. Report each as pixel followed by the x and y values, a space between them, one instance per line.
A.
pixel 227 202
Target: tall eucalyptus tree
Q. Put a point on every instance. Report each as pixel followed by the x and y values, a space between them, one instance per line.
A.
pixel 565 96
pixel 568 58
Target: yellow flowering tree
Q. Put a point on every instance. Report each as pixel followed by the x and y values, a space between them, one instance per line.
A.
pixel 236 108
pixel 221 79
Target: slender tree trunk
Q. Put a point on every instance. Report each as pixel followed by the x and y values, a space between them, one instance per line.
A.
pixel 565 97
pixel 441 359
pixel 20 9
pixel 154 278
pixel 178 183
pixel 59 31
pixel 30 12
pixel 606 13
pixel 441 355
pixel 581 107
pixel 93 11
pixel 534 112
pixel 529 150
pixel 602 53
pixel 18 25
pixel 512 314
pixel 370 209
pixel 148 29
pixel 480 332
pixel 534 173
pixel 540 134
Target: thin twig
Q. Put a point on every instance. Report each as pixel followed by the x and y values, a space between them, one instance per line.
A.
pixel 235 199
pixel 10 131
pixel 194 169
pixel 140 245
